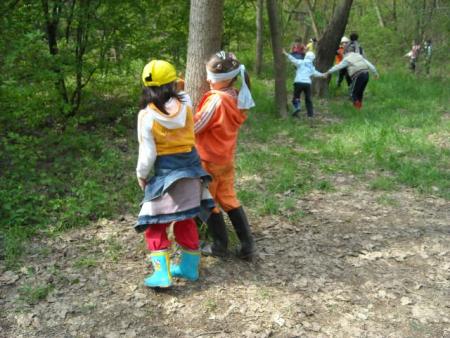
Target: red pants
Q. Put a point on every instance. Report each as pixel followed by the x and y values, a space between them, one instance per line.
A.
pixel 185 232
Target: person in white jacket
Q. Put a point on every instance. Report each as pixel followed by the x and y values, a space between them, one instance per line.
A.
pixel 358 69
pixel 302 81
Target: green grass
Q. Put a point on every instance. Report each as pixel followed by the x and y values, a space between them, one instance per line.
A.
pixel 58 178
pixel 34 294
pixel 85 262
pixel 391 138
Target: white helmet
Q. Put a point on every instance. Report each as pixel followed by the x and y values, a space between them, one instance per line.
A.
pixel 345 39
pixel 310 56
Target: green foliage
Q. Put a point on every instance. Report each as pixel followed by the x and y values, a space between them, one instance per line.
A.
pixel 400 137
pixel 63 179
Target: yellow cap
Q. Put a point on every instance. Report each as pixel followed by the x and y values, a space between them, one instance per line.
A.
pixel 158 73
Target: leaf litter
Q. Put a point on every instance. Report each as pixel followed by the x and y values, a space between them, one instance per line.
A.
pixel 350 267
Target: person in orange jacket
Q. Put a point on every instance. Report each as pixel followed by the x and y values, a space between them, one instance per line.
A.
pixel 338 59
pixel 220 113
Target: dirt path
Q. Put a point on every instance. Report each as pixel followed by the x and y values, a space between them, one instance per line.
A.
pixel 358 264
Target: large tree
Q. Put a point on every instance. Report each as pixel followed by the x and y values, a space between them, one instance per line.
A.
pixel 205 37
pixel 278 58
pixel 329 43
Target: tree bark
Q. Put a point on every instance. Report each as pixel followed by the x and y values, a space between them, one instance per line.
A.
pixel 394 14
pixel 278 58
pixel 205 38
pixel 313 20
pixel 80 50
pixel 329 43
pixel 259 36
pixel 52 23
pixel 377 10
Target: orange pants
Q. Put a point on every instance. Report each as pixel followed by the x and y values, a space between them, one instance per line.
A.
pixel 222 185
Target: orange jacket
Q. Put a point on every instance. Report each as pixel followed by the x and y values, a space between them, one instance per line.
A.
pixel 339 55
pixel 217 124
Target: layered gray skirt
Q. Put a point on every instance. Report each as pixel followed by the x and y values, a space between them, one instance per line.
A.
pixel 177 191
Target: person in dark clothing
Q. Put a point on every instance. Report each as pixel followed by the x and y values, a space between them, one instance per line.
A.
pixel 354 45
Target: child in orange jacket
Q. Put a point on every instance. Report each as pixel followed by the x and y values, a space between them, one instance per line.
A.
pixel 219 116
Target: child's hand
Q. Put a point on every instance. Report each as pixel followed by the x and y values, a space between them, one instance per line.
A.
pixel 142 183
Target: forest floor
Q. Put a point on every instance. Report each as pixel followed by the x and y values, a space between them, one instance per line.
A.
pixel 359 263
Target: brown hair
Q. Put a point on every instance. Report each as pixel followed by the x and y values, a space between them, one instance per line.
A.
pixel 224 62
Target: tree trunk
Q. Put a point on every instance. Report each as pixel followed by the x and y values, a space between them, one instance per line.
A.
pixel 259 36
pixel 329 43
pixel 205 38
pixel 278 58
pixel 377 10
pixel 420 21
pixel 52 23
pixel 313 20
pixel 394 14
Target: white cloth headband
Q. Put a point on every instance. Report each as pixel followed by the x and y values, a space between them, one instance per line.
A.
pixel 245 99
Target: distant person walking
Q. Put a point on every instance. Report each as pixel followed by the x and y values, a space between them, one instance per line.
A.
pixel 311 46
pixel 428 50
pixel 302 82
pixel 354 45
pixel 298 49
pixel 358 69
pixel 338 59
pixel 413 55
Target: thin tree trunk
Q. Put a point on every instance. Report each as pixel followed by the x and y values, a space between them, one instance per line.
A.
pixel 52 22
pixel 394 14
pixel 377 10
pixel 205 38
pixel 259 36
pixel 429 19
pixel 80 49
pixel 278 58
pixel 329 43
pixel 421 22
pixel 313 20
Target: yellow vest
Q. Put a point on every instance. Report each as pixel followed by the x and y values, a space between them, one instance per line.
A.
pixel 172 141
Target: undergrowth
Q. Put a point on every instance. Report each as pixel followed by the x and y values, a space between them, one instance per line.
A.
pixel 55 178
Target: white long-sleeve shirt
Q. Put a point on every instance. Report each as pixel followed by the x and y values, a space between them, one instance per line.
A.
pixel 147 147
pixel 305 69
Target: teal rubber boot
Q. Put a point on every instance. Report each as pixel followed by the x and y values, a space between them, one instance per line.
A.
pixel 188 267
pixel 161 277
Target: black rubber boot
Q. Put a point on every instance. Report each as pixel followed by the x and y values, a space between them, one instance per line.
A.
pixel 240 223
pixel 218 231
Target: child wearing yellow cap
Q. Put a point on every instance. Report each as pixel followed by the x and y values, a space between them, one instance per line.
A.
pixel 177 192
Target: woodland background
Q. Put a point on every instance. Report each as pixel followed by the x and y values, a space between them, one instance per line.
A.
pixel 71 81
